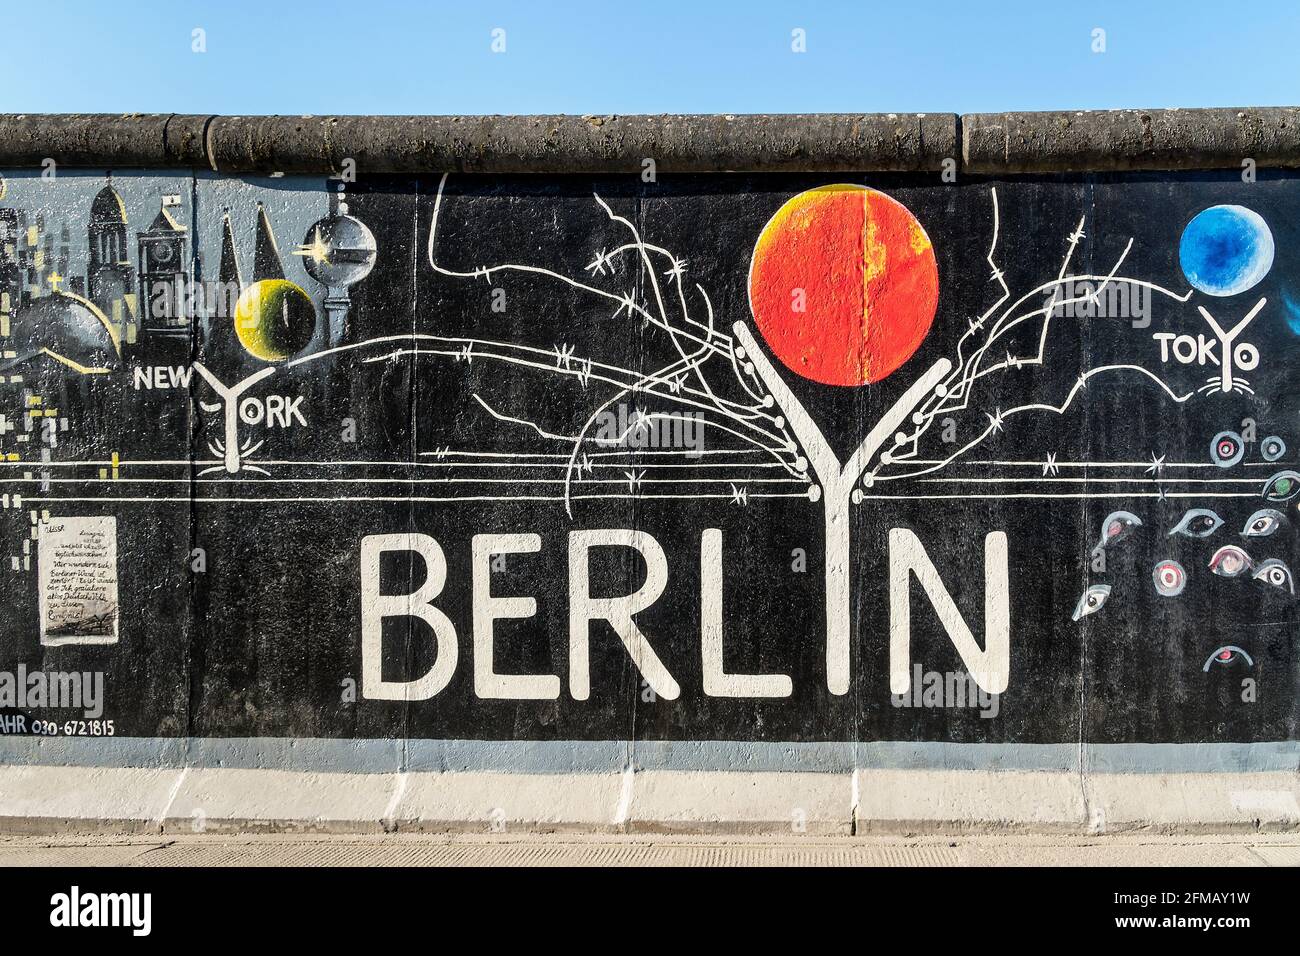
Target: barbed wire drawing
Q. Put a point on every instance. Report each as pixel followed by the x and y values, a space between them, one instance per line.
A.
pixel 763 443
pixel 958 389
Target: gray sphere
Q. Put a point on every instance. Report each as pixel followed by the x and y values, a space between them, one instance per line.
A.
pixel 339 251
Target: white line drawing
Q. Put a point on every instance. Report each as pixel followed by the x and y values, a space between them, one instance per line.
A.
pixel 229 447
pixel 955 392
pixel 1229 354
pixel 838 486
pixel 771 439
pixel 726 379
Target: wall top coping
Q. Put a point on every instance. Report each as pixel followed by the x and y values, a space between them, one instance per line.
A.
pixel 975 143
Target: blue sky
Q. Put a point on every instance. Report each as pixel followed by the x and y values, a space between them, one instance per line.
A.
pixel 644 56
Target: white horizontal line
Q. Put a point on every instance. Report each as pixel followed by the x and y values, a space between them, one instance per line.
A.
pixel 1080 495
pixel 1087 480
pixel 404 500
pixel 402 481
pixel 1095 464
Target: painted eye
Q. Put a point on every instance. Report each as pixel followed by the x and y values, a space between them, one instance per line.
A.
pixel 1091 601
pixel 1283 486
pixel 1117 526
pixel 1226 449
pixel 1169 578
pixel 1272 448
pixel 1274 572
pixel 1262 523
pixel 1198 523
pixel 1228 654
pixel 1230 561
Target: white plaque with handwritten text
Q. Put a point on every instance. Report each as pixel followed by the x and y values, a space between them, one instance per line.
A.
pixel 78 580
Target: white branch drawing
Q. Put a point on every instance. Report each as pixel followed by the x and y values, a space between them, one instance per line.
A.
pixel 762 417
pixel 955 392
pixel 696 343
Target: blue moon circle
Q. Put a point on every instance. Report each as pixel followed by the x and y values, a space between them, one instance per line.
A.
pixel 1226 250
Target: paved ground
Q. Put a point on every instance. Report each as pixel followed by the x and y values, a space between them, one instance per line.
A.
pixel 641 850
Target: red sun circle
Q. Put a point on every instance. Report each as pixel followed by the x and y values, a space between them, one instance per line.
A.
pixel 843 284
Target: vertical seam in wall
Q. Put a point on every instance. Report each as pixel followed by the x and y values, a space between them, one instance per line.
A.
pixel 171 797
pixel 207 142
pixel 166 127
pixel 412 412
pixel 625 796
pixel 389 821
pixel 638 333
pixel 192 440
pixel 855 796
pixel 1087 197
pixel 959 143
pixel 328 149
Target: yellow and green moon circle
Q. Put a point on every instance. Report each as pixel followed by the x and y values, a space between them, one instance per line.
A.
pixel 274 319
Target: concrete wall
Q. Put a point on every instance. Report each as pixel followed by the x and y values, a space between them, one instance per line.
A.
pixel 868 485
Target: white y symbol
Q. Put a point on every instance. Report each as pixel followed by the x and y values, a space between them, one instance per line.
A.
pixel 836 491
pixel 230 396
pixel 1249 357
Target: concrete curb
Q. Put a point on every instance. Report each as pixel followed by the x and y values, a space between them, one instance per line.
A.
pixel 980 143
pixel 48 799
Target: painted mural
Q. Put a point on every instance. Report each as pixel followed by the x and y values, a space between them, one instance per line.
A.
pixel 784 457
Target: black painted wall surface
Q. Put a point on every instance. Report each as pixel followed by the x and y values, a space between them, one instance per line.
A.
pixel 449 395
